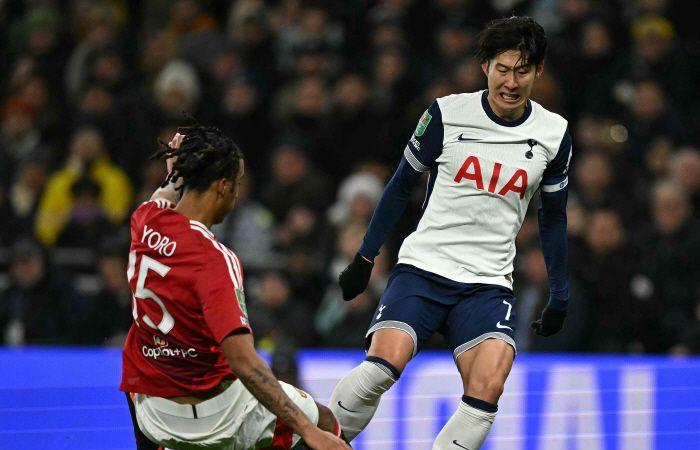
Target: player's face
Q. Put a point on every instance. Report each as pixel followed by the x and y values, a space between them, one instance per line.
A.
pixel 230 193
pixel 510 83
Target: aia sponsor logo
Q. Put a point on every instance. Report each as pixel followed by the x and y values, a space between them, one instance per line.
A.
pixel 471 171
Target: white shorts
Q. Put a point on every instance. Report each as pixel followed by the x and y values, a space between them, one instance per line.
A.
pixel 233 420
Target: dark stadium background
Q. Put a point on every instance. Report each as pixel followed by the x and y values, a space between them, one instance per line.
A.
pixel 322 96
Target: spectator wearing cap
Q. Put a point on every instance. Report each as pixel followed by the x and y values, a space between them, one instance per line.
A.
pixel 358 194
pixel 658 55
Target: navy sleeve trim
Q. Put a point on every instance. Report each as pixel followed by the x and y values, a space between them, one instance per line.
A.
pixel 552 222
pixel 556 174
pixel 390 207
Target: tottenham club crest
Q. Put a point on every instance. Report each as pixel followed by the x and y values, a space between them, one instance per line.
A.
pixel 531 143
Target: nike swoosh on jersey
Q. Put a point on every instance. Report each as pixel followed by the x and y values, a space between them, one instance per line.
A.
pixel 348 410
pixel 462 138
pixel 498 325
pixel 460 445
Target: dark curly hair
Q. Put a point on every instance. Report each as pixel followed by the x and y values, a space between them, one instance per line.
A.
pixel 513 33
pixel 204 156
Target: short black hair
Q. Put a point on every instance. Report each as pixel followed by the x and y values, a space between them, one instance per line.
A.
pixel 520 33
pixel 204 156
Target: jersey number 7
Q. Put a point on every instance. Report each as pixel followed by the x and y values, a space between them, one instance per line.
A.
pixel 143 293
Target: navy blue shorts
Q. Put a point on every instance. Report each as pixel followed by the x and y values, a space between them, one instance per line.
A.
pixel 421 303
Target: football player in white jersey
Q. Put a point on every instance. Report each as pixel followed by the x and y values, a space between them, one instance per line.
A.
pixel 487 153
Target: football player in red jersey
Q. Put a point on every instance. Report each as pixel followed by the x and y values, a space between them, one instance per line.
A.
pixel 190 369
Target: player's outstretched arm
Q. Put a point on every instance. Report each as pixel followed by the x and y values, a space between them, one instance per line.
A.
pixel 257 377
pixel 552 222
pixel 169 192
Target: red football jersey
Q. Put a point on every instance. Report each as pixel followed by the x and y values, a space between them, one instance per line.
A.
pixel 187 296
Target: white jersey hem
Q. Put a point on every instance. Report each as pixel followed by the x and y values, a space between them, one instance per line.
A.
pixel 499 280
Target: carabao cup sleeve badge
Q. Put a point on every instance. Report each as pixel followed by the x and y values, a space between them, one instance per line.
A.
pixel 240 296
pixel 423 124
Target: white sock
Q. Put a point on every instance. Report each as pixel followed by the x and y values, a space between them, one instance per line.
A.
pixel 468 426
pixel 359 393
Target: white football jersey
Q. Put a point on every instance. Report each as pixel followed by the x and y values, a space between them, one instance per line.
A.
pixel 483 172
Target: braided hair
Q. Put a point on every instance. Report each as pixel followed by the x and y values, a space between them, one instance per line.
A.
pixel 204 156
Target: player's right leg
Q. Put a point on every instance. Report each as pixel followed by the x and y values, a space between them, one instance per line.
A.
pixel 481 332
pixel 356 397
pixel 403 320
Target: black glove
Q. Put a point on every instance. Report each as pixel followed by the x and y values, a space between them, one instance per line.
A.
pixel 353 280
pixel 550 323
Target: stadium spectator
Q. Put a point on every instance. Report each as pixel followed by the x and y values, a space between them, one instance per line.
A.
pixel 250 228
pixel 685 171
pixel 243 115
pixel 88 223
pixel 22 198
pixel 276 315
pixel 20 137
pixel 294 181
pixel 357 196
pixel 40 305
pixel 303 110
pixel 652 114
pixel 107 316
pixel 657 55
pixel 87 158
pixel 532 296
pixel 668 265
pixel 352 119
pixel 603 264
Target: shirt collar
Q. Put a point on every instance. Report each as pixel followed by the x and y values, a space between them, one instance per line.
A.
pixel 506 123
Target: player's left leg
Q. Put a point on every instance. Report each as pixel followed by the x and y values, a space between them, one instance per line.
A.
pixel 484 370
pixel 480 331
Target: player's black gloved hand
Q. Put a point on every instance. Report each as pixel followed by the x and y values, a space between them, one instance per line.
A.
pixel 353 280
pixel 551 322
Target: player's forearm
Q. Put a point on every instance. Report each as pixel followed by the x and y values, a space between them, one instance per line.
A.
pixel 552 224
pixel 390 207
pixel 257 377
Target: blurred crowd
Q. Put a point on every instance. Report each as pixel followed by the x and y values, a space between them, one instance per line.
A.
pixel 322 96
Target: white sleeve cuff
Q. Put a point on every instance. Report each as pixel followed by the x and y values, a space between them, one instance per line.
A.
pixel 413 161
pixel 555 187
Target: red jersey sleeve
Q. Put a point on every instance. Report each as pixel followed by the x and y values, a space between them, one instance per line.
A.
pixel 222 294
